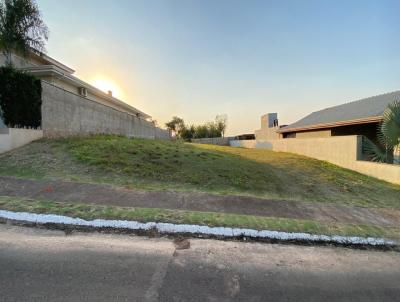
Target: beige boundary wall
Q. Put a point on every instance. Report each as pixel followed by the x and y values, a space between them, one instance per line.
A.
pixel 344 151
pixel 65 113
pixel 220 141
pixel 11 138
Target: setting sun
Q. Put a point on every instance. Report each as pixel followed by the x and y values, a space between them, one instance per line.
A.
pixel 106 85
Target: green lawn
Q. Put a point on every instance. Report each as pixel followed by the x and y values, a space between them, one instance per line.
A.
pixel 89 212
pixel 164 165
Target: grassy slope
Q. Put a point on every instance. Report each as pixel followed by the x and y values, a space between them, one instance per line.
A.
pixel 89 212
pixel 175 165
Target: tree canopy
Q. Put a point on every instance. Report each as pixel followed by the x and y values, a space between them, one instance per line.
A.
pixel 175 125
pixel 215 128
pixel 21 28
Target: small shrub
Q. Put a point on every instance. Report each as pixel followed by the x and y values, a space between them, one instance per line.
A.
pixel 20 98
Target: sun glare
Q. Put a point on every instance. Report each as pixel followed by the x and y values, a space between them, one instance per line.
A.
pixel 106 85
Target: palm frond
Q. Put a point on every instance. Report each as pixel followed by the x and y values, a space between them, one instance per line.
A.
pixel 375 153
pixel 390 127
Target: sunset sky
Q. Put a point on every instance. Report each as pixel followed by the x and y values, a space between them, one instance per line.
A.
pixel 197 59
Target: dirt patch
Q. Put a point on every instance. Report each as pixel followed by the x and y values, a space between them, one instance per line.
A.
pixel 72 192
pixel 181 243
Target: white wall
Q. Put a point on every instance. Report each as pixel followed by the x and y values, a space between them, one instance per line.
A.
pixel 344 151
pixel 11 138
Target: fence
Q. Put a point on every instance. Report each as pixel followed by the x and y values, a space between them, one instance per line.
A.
pixel 344 151
pixel 11 138
pixel 220 141
pixel 65 113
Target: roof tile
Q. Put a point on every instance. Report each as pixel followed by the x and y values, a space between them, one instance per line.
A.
pixel 360 109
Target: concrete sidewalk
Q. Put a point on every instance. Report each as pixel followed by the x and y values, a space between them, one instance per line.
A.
pixel 73 192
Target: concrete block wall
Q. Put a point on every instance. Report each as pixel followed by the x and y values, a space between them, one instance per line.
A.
pixel 269 127
pixel 65 113
pixel 266 134
pixel 344 151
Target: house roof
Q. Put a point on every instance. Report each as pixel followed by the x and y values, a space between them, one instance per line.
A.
pixel 50 61
pixel 51 70
pixel 362 111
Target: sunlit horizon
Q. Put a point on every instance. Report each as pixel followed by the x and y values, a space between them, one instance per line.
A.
pixel 106 84
pixel 197 59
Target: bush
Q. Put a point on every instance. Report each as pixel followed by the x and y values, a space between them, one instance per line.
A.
pixel 20 98
pixel 207 130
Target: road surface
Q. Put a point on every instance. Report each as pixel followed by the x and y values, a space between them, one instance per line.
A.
pixel 44 265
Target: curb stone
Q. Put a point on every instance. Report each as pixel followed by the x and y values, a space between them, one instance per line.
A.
pixel 227 233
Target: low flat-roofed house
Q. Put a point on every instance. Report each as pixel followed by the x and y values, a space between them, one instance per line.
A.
pixel 360 117
pixel 336 135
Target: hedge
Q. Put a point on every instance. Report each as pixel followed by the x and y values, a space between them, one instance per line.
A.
pixel 20 98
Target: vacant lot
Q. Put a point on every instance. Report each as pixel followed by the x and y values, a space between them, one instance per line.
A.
pixel 93 211
pixel 160 165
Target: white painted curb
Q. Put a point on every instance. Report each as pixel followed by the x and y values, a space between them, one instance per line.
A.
pixel 191 229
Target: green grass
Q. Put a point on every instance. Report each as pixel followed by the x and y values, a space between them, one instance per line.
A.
pixel 165 165
pixel 89 212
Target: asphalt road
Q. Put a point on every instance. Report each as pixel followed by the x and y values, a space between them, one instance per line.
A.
pixel 43 265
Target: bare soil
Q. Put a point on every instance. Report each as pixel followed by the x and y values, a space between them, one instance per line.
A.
pixel 73 192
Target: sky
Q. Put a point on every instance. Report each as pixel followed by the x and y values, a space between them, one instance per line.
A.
pixel 197 59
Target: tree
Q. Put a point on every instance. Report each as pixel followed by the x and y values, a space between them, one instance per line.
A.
pixel 206 130
pixel 155 122
pixel 188 133
pixel 221 123
pixel 176 125
pixel 388 136
pixel 213 130
pixel 201 131
pixel 21 28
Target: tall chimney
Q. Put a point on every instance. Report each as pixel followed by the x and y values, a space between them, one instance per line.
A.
pixel 110 93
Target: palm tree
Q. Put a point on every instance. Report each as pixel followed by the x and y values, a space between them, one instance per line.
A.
pixel 388 136
pixel 21 28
